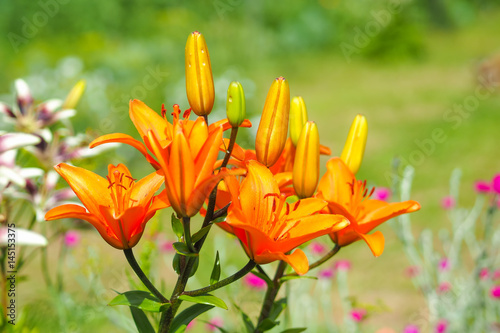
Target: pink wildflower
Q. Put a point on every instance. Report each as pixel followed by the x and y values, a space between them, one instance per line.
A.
pixel 495 183
pixel 343 265
pixel 253 281
pixel 441 326
pixel 448 202
pixel 166 247
pixel 317 248
pixel 412 271
pixel 484 274
pixel 444 264
pixel 358 314
pixel 444 287
pixel 496 274
pixel 381 193
pixel 482 187
pixel 411 329
pixel 214 323
pixel 495 291
pixel 326 273
pixel 190 325
pixel 71 238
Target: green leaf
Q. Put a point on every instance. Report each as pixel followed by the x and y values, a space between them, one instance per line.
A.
pixel 183 319
pixel 199 235
pixel 293 277
pixel 177 227
pixel 176 263
pixel 182 249
pixel 295 330
pixel 205 299
pixel 267 324
pixel 246 320
pixel 141 321
pixel 195 266
pixel 215 276
pixel 140 299
pixel 277 308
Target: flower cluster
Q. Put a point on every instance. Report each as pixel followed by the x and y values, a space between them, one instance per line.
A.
pixel 272 198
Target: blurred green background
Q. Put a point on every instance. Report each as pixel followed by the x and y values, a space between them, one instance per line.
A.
pixel 408 66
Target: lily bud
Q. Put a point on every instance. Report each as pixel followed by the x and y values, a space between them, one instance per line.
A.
pixel 235 105
pixel 74 95
pixel 354 147
pixel 199 79
pixel 306 164
pixel 298 117
pixel 273 127
pixel 24 97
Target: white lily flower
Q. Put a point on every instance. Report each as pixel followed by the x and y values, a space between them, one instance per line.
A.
pixel 23 237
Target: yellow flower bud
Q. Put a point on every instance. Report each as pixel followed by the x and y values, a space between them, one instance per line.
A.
pixel 235 105
pixel 298 117
pixel 273 127
pixel 199 79
pixel 74 95
pixel 354 148
pixel 306 164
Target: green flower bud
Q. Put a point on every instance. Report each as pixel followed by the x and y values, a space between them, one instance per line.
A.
pixel 235 105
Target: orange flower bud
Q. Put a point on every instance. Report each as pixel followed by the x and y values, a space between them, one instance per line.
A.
pixel 306 164
pixel 298 117
pixel 235 105
pixel 199 79
pixel 273 127
pixel 354 147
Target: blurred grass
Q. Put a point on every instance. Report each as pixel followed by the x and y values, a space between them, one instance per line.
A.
pixel 403 95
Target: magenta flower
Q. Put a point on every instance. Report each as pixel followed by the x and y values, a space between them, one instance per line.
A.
pixel 444 287
pixel 482 187
pixel 411 329
pixel 495 184
pixel 343 265
pixel 495 292
pixel 448 202
pixel 441 326
pixel 253 281
pixel 166 247
pixel 484 274
pixel 444 264
pixel 412 271
pixel 71 238
pixel 326 273
pixel 317 248
pixel 381 193
pixel 214 323
pixel 358 314
pixel 190 325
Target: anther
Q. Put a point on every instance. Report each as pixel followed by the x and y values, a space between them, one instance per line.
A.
pixel 163 111
pixel 296 205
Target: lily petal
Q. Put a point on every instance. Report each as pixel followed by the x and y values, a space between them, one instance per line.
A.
pixel 375 241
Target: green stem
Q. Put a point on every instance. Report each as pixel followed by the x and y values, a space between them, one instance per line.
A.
pixel 169 314
pixel 138 271
pixel 321 261
pixel 186 223
pixel 238 275
pixel 232 141
pixel 271 293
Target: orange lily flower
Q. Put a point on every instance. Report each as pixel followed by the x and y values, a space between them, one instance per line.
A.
pixel 349 197
pixel 145 120
pixel 118 207
pixel 185 150
pixel 268 227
